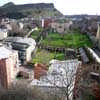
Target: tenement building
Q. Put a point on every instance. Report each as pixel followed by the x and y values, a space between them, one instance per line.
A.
pixel 24 46
pixel 8 66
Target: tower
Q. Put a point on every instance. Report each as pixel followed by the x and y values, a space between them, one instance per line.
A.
pixel 98 32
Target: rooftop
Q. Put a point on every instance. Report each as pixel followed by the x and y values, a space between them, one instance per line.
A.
pixel 3 30
pixel 5 52
pixel 58 71
pixel 28 41
pixel 64 66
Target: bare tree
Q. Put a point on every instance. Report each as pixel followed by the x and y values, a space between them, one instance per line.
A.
pixel 63 78
pixel 22 92
pixel 88 84
pixel 16 30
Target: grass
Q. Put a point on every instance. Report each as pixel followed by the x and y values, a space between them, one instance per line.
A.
pixel 59 56
pixel 44 57
pixel 72 39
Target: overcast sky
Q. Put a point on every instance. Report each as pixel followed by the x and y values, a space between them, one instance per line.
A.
pixel 67 7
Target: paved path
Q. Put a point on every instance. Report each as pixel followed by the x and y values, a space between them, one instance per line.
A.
pixel 29 33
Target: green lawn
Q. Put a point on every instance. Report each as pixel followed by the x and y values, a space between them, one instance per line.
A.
pixel 43 56
pixel 72 39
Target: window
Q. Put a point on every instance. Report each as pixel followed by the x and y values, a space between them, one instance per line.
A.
pixel 93 67
pixel 60 26
pixel 97 67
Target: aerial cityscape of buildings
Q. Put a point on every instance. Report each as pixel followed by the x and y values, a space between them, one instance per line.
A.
pixel 57 53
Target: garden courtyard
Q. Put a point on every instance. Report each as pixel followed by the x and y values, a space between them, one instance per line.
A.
pixel 43 56
pixel 72 39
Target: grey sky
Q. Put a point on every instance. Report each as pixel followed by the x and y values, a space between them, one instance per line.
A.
pixel 66 6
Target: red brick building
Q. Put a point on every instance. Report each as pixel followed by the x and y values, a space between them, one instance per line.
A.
pixel 8 64
pixel 40 70
pixel 46 22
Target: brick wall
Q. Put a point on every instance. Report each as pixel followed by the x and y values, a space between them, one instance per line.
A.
pixel 3 74
pixel 7 67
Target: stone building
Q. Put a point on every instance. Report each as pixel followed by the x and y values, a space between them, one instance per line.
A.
pixel 3 34
pixel 61 27
pixel 60 74
pixel 8 66
pixel 24 46
pixel 98 36
pixel 46 22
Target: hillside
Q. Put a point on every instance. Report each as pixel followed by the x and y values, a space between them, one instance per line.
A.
pixel 34 10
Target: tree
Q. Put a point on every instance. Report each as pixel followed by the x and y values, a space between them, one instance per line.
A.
pixel 16 31
pixel 42 57
pixel 96 90
pixel 22 91
pixel 63 78
pixel 87 85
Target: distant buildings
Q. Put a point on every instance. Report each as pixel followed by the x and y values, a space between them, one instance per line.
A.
pixel 8 65
pixel 61 27
pixel 46 22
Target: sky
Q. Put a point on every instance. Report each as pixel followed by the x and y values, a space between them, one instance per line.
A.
pixel 67 7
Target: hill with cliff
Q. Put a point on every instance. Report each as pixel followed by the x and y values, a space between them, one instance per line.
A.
pixel 29 10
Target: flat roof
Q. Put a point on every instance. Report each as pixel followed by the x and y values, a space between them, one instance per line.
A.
pixel 28 41
pixel 4 52
pixel 3 30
